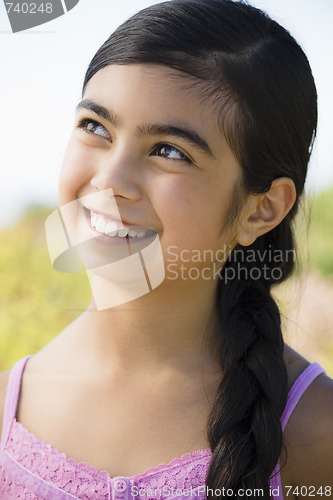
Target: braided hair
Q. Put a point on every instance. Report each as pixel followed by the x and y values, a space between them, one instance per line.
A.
pixel 261 83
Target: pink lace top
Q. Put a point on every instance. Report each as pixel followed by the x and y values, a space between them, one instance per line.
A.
pixel 32 469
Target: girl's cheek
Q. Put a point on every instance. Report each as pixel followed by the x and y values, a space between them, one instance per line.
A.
pixel 76 171
pixel 78 157
pixel 173 191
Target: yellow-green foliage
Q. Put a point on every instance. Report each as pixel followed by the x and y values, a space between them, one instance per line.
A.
pixel 321 232
pixel 36 302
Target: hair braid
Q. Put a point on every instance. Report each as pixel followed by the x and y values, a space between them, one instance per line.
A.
pixel 244 425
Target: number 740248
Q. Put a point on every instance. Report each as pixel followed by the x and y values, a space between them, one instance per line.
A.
pixel 308 491
pixel 29 8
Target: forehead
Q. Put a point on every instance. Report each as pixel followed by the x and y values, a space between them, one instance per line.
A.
pixel 145 78
pixel 154 93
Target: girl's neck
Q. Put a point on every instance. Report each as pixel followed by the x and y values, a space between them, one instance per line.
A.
pixel 172 325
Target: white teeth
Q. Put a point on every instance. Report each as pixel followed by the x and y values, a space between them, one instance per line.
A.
pixel 111 229
pixel 122 232
pixel 100 225
pixel 93 219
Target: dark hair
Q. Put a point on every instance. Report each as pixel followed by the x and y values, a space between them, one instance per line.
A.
pixel 263 85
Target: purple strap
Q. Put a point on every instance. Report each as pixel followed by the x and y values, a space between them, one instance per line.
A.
pixel 296 392
pixel 12 397
pixel 299 387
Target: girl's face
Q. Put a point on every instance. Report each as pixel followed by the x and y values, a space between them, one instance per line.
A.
pixel 144 131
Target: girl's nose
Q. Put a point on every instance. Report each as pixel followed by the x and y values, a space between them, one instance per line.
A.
pixel 119 173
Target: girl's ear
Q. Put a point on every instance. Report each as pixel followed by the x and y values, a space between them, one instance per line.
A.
pixel 263 212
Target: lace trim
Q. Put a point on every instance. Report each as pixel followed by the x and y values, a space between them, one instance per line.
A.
pixel 88 482
pixel 17 427
pixel 183 460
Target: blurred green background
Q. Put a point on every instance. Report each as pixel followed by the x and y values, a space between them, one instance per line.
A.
pixel 36 302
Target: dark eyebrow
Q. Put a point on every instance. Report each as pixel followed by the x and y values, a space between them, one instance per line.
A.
pixel 99 110
pixel 154 129
pixel 185 133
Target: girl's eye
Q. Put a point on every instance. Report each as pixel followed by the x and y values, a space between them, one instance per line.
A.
pixel 93 127
pixel 170 152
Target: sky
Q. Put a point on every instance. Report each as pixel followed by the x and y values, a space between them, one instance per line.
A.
pixel 42 70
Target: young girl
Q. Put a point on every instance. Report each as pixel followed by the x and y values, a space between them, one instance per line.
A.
pixel 194 132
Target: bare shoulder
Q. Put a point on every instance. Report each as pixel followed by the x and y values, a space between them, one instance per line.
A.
pixel 3 389
pixel 295 364
pixel 308 437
